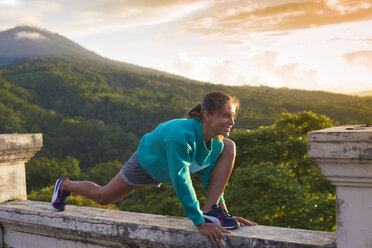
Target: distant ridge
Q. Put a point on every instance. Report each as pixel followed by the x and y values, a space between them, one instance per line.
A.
pixel 364 93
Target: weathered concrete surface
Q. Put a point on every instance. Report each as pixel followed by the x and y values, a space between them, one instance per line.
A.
pixel 341 142
pixel 344 156
pixel 37 223
pixel 15 150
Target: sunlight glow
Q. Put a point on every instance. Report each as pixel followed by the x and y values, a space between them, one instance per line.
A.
pixel 314 45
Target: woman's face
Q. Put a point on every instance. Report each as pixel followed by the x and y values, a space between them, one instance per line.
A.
pixel 222 120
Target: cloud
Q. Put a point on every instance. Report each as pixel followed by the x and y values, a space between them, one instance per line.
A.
pixel 29 12
pixel 29 35
pixel 269 72
pixel 229 16
pixel 292 76
pixel 8 3
pixel 127 8
pixel 266 59
pixel 77 18
pixel 347 6
pixel 282 17
pixel 360 58
pixel 223 72
pixel 263 68
pixel 115 16
pixel 140 5
pixel 210 69
pixel 183 65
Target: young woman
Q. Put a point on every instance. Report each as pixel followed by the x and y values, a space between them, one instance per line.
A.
pixel 172 153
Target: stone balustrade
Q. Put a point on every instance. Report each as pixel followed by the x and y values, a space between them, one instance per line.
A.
pixel 34 224
pixel 344 156
pixel 15 150
pixel 31 223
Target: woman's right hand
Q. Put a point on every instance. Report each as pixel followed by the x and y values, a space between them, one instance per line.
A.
pixel 214 232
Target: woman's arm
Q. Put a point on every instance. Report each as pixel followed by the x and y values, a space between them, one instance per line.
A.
pixel 178 159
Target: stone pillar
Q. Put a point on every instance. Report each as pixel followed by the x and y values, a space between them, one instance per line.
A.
pixel 15 151
pixel 344 156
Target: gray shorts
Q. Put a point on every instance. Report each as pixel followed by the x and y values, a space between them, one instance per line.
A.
pixel 133 174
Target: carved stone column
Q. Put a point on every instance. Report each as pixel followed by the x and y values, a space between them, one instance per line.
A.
pixel 344 156
pixel 15 151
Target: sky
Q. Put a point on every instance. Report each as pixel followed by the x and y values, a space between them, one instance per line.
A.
pixel 301 44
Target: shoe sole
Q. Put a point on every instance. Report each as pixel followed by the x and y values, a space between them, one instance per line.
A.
pixel 55 192
pixel 55 209
pixel 216 221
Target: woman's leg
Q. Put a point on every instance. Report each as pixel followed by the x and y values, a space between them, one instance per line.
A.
pixel 220 174
pixel 114 191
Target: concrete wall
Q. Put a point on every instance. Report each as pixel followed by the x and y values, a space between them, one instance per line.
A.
pixel 30 224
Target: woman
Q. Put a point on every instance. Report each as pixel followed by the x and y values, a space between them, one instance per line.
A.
pixel 171 153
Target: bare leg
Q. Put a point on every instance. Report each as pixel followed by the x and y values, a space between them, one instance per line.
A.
pixel 220 174
pixel 112 192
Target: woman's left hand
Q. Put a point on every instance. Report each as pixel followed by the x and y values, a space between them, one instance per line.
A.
pixel 244 222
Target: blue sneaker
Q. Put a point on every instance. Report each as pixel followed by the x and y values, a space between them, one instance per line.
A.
pixel 220 216
pixel 59 198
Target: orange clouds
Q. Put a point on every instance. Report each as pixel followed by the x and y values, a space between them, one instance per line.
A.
pixel 287 16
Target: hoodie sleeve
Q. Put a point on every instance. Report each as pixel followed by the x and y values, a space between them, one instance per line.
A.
pixel 179 159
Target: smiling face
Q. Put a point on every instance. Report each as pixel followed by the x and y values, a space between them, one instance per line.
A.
pixel 221 122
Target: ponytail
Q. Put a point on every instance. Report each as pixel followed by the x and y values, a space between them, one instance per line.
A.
pixel 195 113
pixel 212 102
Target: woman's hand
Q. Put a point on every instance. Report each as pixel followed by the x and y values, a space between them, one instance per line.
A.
pixel 241 221
pixel 244 222
pixel 214 232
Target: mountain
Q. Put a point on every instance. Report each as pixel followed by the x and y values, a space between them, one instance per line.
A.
pixel 26 41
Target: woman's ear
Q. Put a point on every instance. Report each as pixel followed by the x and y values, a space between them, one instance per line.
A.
pixel 206 115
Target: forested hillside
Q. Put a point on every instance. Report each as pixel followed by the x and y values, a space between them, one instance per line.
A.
pixel 92 114
pixel 77 102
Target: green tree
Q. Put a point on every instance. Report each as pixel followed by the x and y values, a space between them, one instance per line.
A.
pixel 279 152
pixel 104 172
pixel 270 195
pixel 43 171
pixel 70 168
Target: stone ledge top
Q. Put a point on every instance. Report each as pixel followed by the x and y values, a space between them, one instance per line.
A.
pixel 20 141
pixel 164 231
pixel 349 133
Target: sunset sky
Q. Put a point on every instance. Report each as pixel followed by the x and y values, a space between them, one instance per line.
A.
pixel 312 45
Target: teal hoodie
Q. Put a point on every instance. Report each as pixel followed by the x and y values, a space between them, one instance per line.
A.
pixel 173 151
